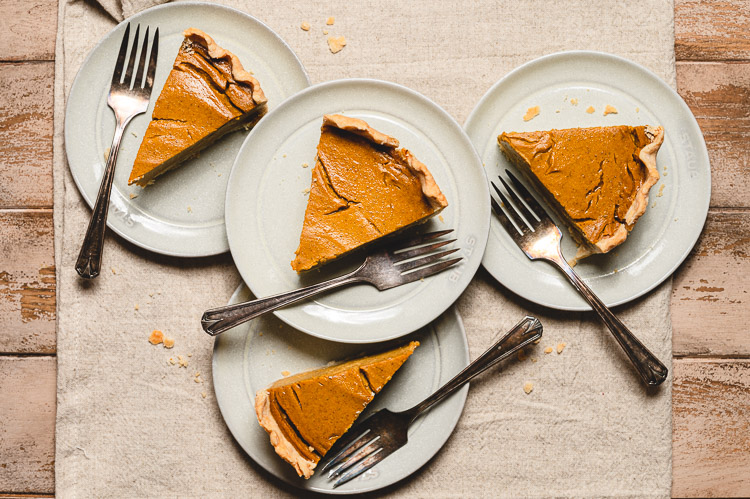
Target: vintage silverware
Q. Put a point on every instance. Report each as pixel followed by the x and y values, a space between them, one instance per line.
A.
pixel 384 269
pixel 126 102
pixel 538 236
pixel 378 436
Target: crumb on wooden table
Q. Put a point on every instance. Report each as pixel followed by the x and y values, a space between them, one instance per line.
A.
pixel 156 337
pixel 528 387
pixel 609 110
pixel 305 26
pixel 560 347
pixel 336 43
pixel 531 113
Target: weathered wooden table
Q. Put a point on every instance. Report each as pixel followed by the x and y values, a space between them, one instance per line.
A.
pixel 710 300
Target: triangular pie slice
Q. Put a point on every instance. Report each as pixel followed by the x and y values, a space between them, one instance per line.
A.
pixel 597 179
pixel 207 95
pixel 306 413
pixel 363 188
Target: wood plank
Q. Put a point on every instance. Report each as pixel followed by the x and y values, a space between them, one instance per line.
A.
pixel 26 109
pixel 711 290
pixel 713 30
pixel 27 282
pixel 719 96
pixel 29 29
pixel 27 432
pixel 711 428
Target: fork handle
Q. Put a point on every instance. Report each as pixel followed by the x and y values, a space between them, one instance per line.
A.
pixel 522 334
pixel 217 320
pixel 649 367
pixel 89 262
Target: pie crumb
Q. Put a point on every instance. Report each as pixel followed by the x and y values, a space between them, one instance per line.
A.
pixel 113 270
pixel 306 190
pixel 638 110
pixel 528 387
pixel 283 155
pixel 305 165
pixel 661 191
pixel 537 341
pixel 203 394
pixel 190 210
pixel 305 26
pixel 197 379
pixel 325 31
pixel 171 361
pixel 336 44
pixel 560 347
pixel 330 21
pixel 440 217
pixel 285 373
pixel 136 307
pixel 133 196
pixel 522 355
pixel 534 359
pixel 548 350
pixel 609 110
pixel 168 342
pixel 574 101
pixel 156 337
pixel 590 110
pixel 557 111
pixel 182 361
pixel 531 113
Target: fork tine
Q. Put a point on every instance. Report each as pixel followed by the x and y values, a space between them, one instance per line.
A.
pixel 405 267
pixel 131 61
pixel 117 75
pixel 507 224
pixel 148 85
pixel 141 62
pixel 372 446
pixel 521 208
pixel 428 271
pixel 423 238
pixel 538 210
pixel 512 214
pixel 363 466
pixel 350 447
pixel 422 250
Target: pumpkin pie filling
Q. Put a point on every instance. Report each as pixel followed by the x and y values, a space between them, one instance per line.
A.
pixel 597 179
pixel 306 413
pixel 363 187
pixel 207 95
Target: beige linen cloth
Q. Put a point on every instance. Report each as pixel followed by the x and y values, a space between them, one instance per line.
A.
pixel 129 425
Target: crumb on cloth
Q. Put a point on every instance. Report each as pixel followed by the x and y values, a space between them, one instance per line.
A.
pixel 336 43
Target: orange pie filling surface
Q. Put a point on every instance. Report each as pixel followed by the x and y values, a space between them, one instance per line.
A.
pixel 597 179
pixel 306 413
pixel 207 94
pixel 363 187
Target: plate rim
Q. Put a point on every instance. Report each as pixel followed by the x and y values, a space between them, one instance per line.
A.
pixel 302 94
pixel 460 395
pixel 82 192
pixel 701 152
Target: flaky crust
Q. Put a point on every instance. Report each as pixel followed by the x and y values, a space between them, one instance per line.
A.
pixel 430 188
pixel 640 200
pixel 238 72
pixel 283 447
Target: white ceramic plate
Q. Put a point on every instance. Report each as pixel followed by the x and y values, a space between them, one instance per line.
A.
pixel 182 213
pixel 678 204
pixel 245 361
pixel 266 202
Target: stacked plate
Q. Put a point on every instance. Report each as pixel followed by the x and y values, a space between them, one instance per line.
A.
pixel 246 194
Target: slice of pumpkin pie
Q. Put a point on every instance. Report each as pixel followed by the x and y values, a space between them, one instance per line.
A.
pixel 363 188
pixel 306 413
pixel 207 95
pixel 597 179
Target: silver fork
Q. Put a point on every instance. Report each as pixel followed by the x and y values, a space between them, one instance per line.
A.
pixel 538 236
pixel 384 432
pixel 382 269
pixel 126 102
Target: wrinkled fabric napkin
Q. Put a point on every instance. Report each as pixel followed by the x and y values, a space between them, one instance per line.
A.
pixel 130 425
